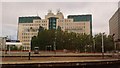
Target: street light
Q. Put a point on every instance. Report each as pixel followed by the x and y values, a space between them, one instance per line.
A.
pixel 102 46
pixel 50 47
pixel 30 44
pixel 29 49
pixel 54 47
pixel 85 48
pixel 114 42
pixel 94 45
pixel 5 38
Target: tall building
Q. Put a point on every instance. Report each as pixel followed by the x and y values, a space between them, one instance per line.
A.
pixel 28 26
pixel 114 27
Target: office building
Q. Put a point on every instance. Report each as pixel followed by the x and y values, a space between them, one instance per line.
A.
pixel 114 27
pixel 28 26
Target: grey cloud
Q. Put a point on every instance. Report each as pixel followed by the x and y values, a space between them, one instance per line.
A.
pixel 101 12
pixel 59 0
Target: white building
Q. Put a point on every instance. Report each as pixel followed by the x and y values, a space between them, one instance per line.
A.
pixel 28 26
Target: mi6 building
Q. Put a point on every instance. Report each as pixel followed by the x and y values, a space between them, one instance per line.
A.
pixel 28 26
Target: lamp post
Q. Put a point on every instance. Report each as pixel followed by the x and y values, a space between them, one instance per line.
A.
pixel 29 49
pixel 114 42
pixel 30 43
pixel 5 38
pixel 69 40
pixel 54 47
pixel 102 46
pixel 50 47
pixel 85 48
pixel 94 45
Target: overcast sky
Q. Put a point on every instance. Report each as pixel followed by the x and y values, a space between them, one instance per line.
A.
pixel 101 13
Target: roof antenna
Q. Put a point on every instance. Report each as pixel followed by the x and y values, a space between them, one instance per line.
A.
pixel 37 13
pixel 58 10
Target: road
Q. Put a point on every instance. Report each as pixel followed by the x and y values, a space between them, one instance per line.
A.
pixel 53 59
pixel 52 53
pixel 8 60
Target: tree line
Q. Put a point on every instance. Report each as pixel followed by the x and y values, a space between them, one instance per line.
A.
pixel 46 39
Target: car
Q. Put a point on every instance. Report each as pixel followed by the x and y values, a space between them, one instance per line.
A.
pixel 36 50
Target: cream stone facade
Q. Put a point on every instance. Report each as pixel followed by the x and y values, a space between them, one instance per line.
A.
pixel 114 28
pixel 77 27
pixel 26 30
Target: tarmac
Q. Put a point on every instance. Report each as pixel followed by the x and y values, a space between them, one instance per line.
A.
pixel 52 57
pixel 59 60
